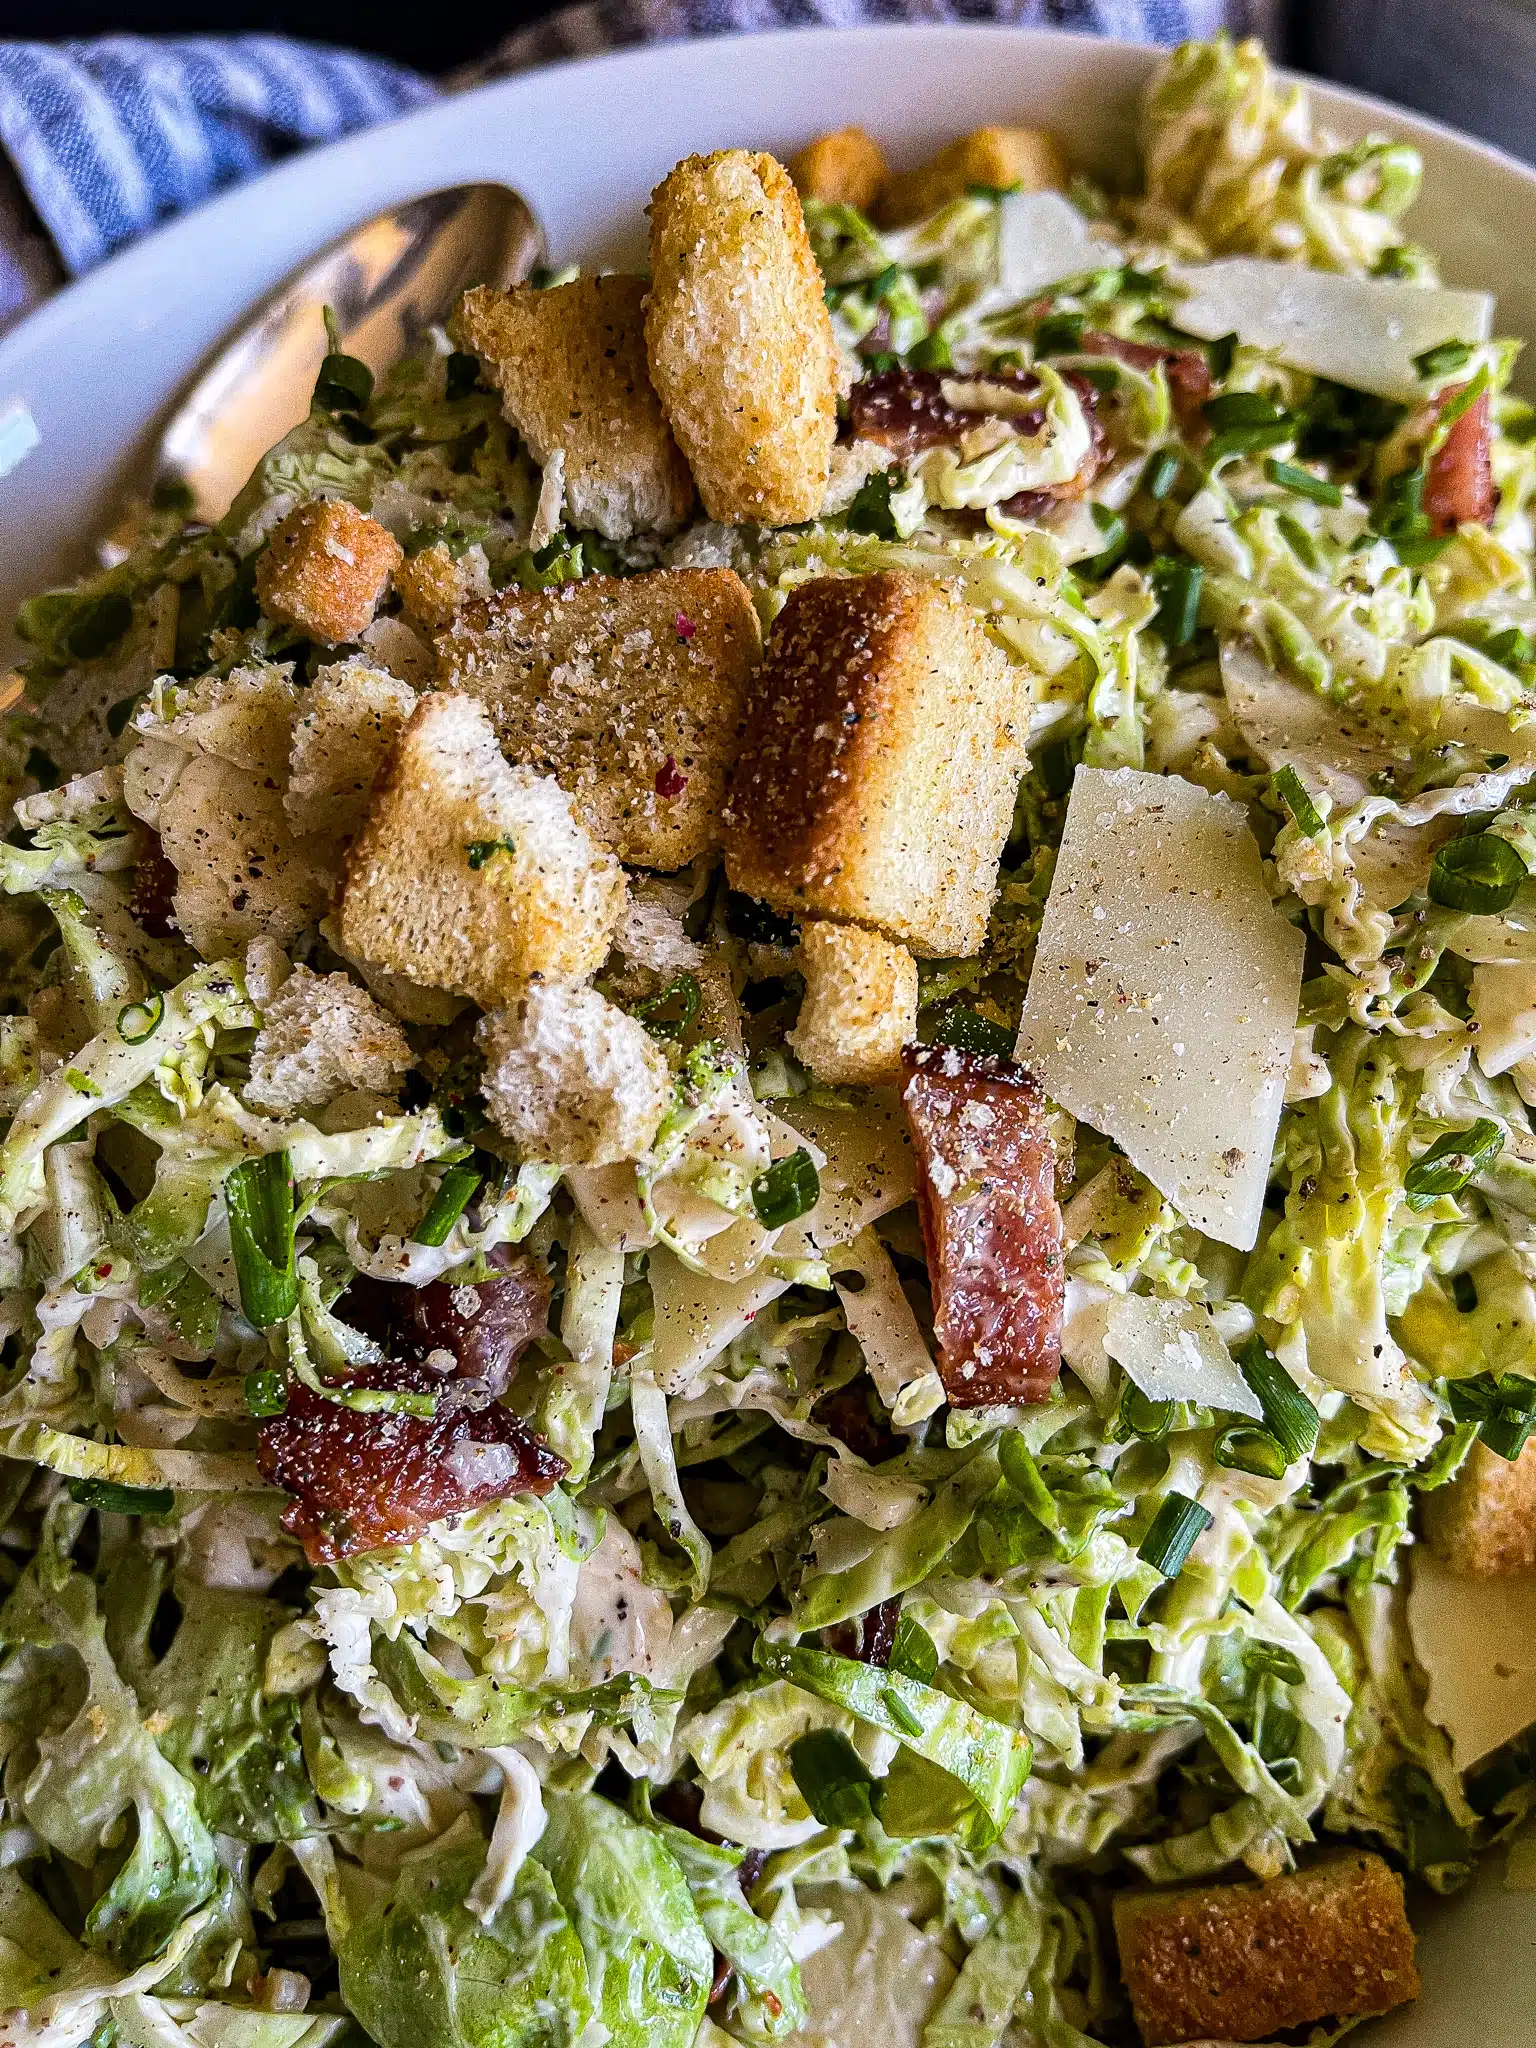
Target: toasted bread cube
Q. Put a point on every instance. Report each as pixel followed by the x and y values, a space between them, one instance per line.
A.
pixel 1241 1962
pixel 1484 1522
pixel 325 569
pixel 860 1006
pixel 1029 158
pixel 629 690
pixel 571 1077
pixel 350 717
pixel 570 366
pixel 433 584
pixel 240 871
pixel 740 342
pixel 321 1034
pixel 884 745
pixel 470 875
pixel 846 168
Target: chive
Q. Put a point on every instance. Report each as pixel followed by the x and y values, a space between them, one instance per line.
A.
pixel 931 353
pixel 1440 360
pixel 1452 1161
pixel 1275 1661
pixel 1023 1478
pixel 881 363
pixel 455 1191
pixel 108 1498
pixel 1178 589
pixel 1289 1416
pixel 461 373
pixel 344 384
pixel 682 992
pixel 1219 355
pixel 912 1651
pixel 1246 1448
pixel 1243 409
pixel 266 1391
pixel 1115 533
pixel 1299 541
pixel 1292 792
pixel 1301 483
pixel 968 1031
pixel 1138 1415
pixel 1507 1433
pixel 478 851
pixel 98 625
pixel 832 1778
pixel 1176 1528
pixel 871 511
pixel 1481 873
pixel 1162 473
pixel 1059 333
pixel 259 1197
pixel 137 1022
pixel 789 1188
pixel 906 1720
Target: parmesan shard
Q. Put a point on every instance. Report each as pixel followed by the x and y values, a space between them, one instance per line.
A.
pixel 1173 1351
pixel 1165 992
pixel 1360 331
pixel 1042 239
pixel 1476 1639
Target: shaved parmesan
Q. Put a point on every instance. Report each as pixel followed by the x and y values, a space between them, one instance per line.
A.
pixel 1043 239
pixel 1476 1639
pixel 696 1317
pixel 1359 331
pixel 1084 1324
pixel 1289 726
pixel 1165 991
pixel 1173 1352
pixel 868 1168
pixel 879 1316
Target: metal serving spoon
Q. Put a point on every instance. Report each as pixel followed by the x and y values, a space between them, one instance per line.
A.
pixel 385 282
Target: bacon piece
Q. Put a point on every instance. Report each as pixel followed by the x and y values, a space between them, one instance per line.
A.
pixel 486 1324
pixel 1458 489
pixel 848 1415
pixel 1030 504
pixel 986 1198
pixel 870 1636
pixel 1187 371
pixel 153 903
pixel 361 1481
pixel 906 410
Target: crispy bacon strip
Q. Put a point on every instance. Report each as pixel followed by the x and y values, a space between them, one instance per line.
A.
pixel 361 1481
pixel 487 1325
pixel 1187 371
pixel 986 1197
pixel 906 410
pixel 870 1636
pixel 1458 489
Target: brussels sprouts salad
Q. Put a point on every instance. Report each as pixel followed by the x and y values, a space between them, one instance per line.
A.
pixel 640 1405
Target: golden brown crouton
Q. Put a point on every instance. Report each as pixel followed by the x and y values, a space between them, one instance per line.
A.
pixel 1241 1962
pixel 571 1076
pixel 883 750
pixel 740 343
pixel 629 690
pixel 434 584
pixel 570 366
pixel 471 875
pixel 325 569
pixel 351 716
pixel 846 168
pixel 321 1034
pixel 1484 1522
pixel 1026 157
pixel 860 1005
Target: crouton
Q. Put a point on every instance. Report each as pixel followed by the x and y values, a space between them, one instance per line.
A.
pixel 433 584
pixel 1028 158
pixel 350 717
pixel 846 168
pixel 860 1006
pixel 1241 1962
pixel 407 1000
pixel 325 569
pixel 321 1034
pixel 740 342
pixel 570 366
pixel 1484 1522
pixel 884 744
pixel 470 875
pixel 240 872
pixel 571 1077
pixel 628 690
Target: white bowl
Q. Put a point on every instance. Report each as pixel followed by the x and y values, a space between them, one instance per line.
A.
pixel 97 367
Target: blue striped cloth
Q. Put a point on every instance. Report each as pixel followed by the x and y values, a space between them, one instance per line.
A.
pixel 107 138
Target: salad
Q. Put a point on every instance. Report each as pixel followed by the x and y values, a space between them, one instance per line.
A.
pixel 767 1208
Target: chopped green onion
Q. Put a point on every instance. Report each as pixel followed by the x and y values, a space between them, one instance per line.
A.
pixel 137 1022
pixel 968 1031
pixel 1116 534
pixel 906 1718
pixel 1292 792
pixel 1481 873
pixel 1176 1528
pixel 266 1391
pixel 1242 409
pixel 1452 1161
pixel 789 1188
pixel 455 1192
pixel 1059 333
pixel 1289 1416
pixel 1219 355
pixel 108 1498
pixel 1178 589
pixel 832 1778
pixel 1138 1415
pixel 1024 1480
pixel 681 995
pixel 478 851
pixel 1301 483
pixel 932 353
pixel 912 1651
pixel 259 1196
pixel 1275 1661
pixel 1507 1432
pixel 1299 541
pixel 1246 1448
pixel 344 384
pixel 871 511
pixel 881 363
pixel 1440 360
pixel 98 625
pixel 1162 473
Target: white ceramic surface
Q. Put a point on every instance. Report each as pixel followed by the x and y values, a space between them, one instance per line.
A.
pixel 97 367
